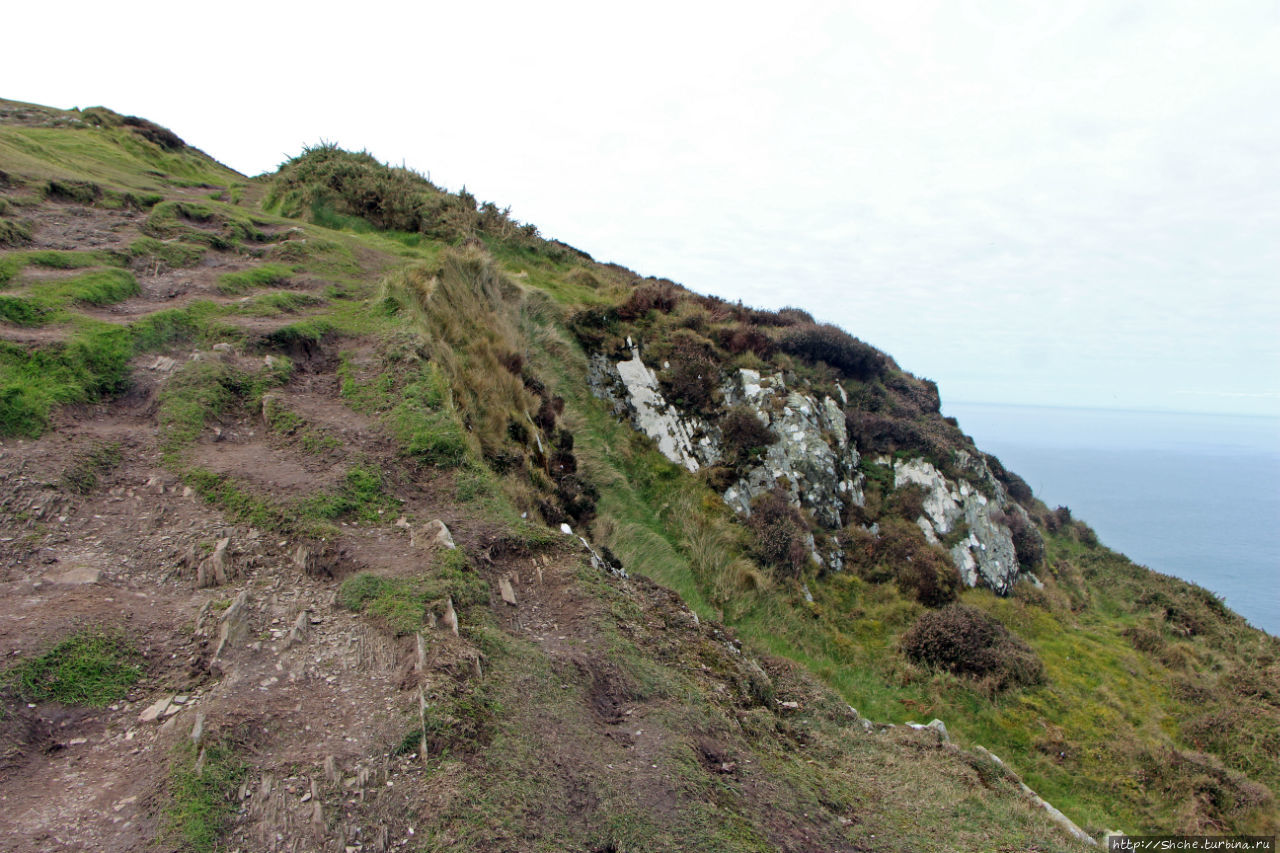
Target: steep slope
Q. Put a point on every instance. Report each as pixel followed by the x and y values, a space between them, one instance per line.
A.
pixel 289 469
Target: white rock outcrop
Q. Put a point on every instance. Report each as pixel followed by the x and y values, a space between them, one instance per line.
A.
pixel 984 555
pixel 661 421
pixel 813 459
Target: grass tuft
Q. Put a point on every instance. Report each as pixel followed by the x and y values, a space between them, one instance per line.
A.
pixel 402 604
pixel 93 668
pixel 202 785
pixel 267 275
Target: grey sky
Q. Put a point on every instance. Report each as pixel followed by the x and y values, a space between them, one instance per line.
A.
pixel 1048 203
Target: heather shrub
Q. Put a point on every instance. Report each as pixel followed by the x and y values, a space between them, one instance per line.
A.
pixel 692 374
pixel 919 396
pixel 791 316
pixel 899 552
pixel 1028 544
pixel 744 435
pixel 966 641
pixel 825 342
pixel 660 297
pixel 779 532
pixel 745 337
pixel 907 502
pixel 1013 484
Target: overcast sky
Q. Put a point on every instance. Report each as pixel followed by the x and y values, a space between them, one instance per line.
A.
pixel 1047 203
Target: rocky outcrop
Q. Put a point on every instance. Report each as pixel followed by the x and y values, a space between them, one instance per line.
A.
pixel 815 463
pixel 634 389
pixel 958 514
pixel 813 459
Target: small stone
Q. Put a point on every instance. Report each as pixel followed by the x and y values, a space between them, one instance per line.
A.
pixel 508 593
pixel 433 534
pixel 451 617
pixel 566 529
pixel 153 711
pixel 79 576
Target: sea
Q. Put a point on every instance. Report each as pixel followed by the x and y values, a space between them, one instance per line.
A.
pixel 1191 495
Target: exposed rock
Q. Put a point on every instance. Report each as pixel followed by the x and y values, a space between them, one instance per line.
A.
pixel 217 568
pixel 984 554
pixel 155 710
pixel 812 459
pixel 233 625
pixel 433 534
pixel 76 576
pixel 317 559
pixel 598 561
pixel 507 591
pixel 681 439
pixel 451 617
pixel 936 725
pixel 298 633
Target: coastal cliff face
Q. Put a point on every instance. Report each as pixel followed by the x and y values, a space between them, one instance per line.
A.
pixel 342 511
pixel 811 458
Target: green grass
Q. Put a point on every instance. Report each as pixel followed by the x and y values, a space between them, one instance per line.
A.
pixel 93 667
pixel 168 254
pixel 204 389
pixel 276 302
pixel 361 495
pixel 45 301
pixel 402 604
pixel 267 275
pixel 418 413
pixel 113 157
pixel 201 801
pixel 93 362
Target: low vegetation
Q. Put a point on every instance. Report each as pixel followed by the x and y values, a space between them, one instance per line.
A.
pixel 405 604
pixel 93 668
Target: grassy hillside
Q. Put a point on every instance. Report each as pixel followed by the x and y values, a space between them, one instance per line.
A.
pixel 232 409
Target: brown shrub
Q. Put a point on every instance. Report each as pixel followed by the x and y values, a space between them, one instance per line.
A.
pixel 743 434
pixel 1208 794
pixel 835 346
pixel 660 297
pixel 745 337
pixel 693 374
pixel 1013 484
pixel 907 502
pixel 920 569
pixel 1028 544
pixel 966 641
pixel 917 396
pixel 779 532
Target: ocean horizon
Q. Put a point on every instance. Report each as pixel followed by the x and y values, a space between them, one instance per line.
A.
pixel 1192 495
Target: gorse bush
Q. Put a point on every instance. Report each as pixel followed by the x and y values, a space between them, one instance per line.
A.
pixel 338 188
pixel 966 641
